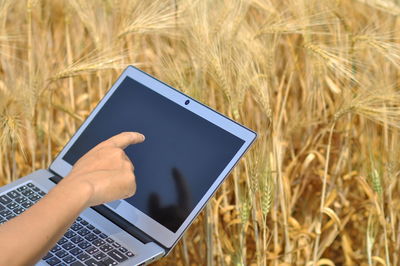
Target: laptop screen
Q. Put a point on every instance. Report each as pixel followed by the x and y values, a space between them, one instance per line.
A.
pixel 181 157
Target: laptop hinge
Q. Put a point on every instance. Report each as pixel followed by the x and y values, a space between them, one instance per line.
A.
pixel 122 223
pixel 56 178
pixel 116 219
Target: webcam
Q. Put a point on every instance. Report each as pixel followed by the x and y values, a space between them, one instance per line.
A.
pixel 187 102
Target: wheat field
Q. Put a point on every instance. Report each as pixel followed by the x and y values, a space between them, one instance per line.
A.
pixel 318 80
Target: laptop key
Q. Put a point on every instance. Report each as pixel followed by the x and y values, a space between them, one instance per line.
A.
pixel 34 198
pixel 13 194
pixel 68 246
pixel 62 241
pixel 77 263
pixel 69 259
pixel 20 199
pixel 2 221
pixel 18 210
pixel 76 251
pixel 106 248
pixel 36 189
pixel 96 231
pixel 83 257
pixel 102 235
pixel 48 256
pixel 122 249
pixel 53 261
pixel 22 188
pixel 93 262
pixel 84 244
pixel 129 254
pixel 91 237
pixel 109 262
pixel 100 255
pixel 84 222
pixel 98 242
pixel 5 200
pixel 9 217
pixel 27 192
pixel 83 232
pixel 116 255
pixel 76 239
pixel 70 234
pixel 30 185
pixel 109 240
pixel 76 226
pixel 91 250
pixel 116 244
pixel 2 207
pixel 55 249
pixel 12 205
pixel 5 213
pixel 26 205
pixel 61 253
pixel 90 227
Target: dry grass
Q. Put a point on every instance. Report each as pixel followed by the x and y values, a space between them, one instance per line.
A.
pixel 317 79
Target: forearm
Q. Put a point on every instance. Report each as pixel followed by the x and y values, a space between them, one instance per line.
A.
pixel 28 237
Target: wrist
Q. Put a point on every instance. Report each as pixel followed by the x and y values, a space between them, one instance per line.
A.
pixel 79 191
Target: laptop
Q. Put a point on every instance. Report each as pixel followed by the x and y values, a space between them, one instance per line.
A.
pixel 189 151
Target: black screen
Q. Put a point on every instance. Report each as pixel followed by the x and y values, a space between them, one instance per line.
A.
pixel 181 157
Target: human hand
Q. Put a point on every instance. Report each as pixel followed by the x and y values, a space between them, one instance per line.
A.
pixel 106 170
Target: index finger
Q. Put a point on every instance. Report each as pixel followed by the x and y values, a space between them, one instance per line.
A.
pixel 123 140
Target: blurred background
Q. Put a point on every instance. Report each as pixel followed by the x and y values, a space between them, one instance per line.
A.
pixel 318 80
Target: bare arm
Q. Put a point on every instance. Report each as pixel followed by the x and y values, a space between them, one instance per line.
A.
pixel 104 174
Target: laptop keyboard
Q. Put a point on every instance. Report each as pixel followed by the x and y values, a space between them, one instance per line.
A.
pixel 82 244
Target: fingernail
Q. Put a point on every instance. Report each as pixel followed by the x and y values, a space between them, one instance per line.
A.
pixel 143 137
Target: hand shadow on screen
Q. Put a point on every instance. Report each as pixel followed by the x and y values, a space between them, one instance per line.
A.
pixel 172 216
